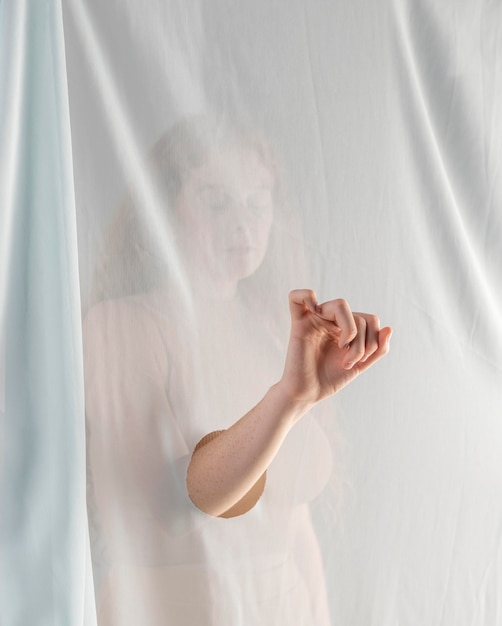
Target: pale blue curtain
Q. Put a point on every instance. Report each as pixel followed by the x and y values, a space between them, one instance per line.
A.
pixel 45 575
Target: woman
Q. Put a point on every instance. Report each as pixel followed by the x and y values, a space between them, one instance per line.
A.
pixel 190 410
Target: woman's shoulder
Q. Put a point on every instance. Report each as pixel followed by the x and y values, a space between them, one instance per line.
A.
pixel 138 309
pixel 128 325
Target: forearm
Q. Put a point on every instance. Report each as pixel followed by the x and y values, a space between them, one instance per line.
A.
pixel 224 470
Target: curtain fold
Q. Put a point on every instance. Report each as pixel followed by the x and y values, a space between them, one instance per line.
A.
pixel 45 559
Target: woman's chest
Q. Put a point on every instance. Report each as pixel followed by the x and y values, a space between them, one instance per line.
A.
pixel 219 372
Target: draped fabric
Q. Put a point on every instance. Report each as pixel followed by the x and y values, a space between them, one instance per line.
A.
pixel 169 171
pixel 46 574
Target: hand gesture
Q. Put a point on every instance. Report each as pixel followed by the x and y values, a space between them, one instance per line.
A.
pixel 329 346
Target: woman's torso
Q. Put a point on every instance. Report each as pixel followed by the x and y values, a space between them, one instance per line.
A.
pixel 217 369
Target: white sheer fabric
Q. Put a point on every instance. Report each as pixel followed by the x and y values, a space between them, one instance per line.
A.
pixel 223 154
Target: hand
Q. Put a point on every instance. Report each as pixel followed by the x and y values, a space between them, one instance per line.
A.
pixel 329 346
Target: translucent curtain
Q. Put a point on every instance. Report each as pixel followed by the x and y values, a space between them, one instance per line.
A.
pixel 46 576
pixel 222 154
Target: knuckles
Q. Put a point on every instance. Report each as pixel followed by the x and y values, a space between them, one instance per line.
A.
pixel 342 303
pixel 361 320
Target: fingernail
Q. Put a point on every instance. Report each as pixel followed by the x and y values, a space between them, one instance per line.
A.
pixel 348 366
pixel 346 346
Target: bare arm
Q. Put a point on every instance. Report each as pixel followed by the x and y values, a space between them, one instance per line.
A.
pixel 329 346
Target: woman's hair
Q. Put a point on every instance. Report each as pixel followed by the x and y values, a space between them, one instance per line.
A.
pixel 129 263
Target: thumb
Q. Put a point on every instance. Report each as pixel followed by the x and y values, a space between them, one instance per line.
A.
pixel 301 301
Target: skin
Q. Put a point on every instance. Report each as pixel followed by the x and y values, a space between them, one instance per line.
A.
pixel 329 345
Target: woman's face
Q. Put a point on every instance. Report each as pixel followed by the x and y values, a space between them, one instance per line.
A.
pixel 225 212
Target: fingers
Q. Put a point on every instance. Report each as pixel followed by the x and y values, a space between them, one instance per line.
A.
pixel 372 330
pixel 301 301
pixel 366 341
pixel 359 333
pixel 357 348
pixel 338 311
pixel 334 311
pixel 384 336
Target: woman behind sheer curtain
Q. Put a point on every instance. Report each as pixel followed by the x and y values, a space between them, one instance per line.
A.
pixel 189 537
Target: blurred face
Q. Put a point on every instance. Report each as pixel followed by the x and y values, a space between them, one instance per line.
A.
pixel 225 213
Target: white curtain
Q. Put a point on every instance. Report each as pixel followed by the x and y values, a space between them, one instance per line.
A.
pixel 360 146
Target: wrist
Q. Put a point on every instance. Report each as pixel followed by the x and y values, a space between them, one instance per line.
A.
pixel 294 406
